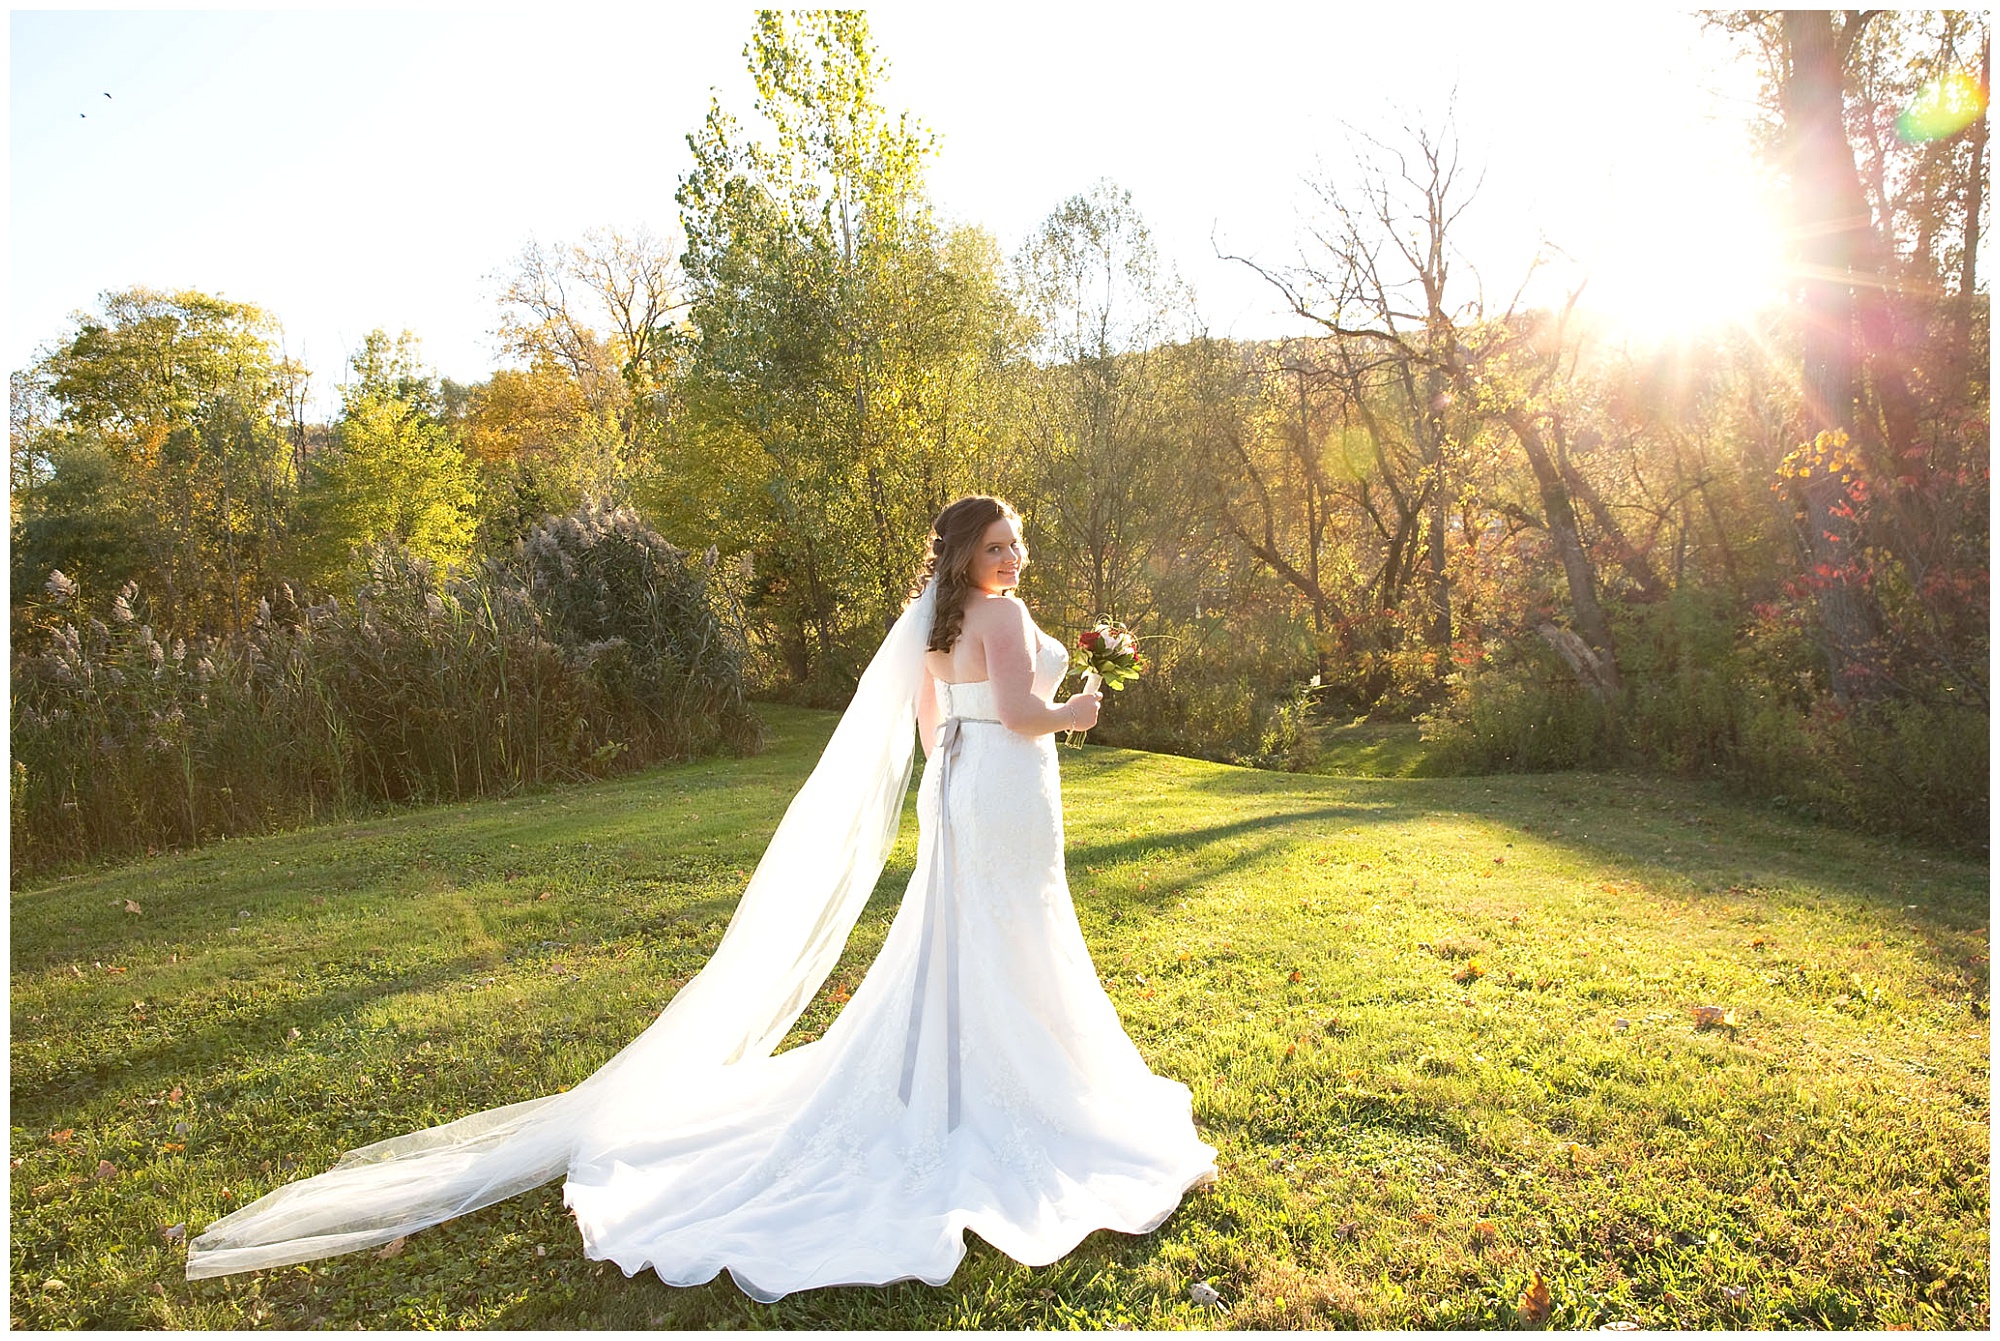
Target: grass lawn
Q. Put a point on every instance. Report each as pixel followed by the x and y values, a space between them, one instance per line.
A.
pixel 1363 749
pixel 1441 1031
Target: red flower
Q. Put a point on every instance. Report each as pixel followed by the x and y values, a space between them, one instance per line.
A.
pixel 1091 639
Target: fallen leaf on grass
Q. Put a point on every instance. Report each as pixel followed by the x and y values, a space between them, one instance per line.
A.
pixel 391 1248
pixel 1535 1301
pixel 175 1094
pixel 293 1035
pixel 132 907
pixel 174 1233
pixel 1484 1232
pixel 1469 971
pixel 840 992
pixel 106 1170
pixel 1424 1218
pixel 172 1147
pixel 1707 1017
pixel 1201 1292
pixel 61 1137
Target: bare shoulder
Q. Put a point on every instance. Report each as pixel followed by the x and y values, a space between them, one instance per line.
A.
pixel 999 618
pixel 997 612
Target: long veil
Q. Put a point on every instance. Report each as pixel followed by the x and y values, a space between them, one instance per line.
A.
pixel 787 932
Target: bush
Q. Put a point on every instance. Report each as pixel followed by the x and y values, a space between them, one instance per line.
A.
pixel 1521 712
pixel 1744 703
pixel 1210 699
pixel 594 649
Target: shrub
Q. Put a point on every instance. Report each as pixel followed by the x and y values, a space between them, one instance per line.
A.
pixel 1520 712
pixel 1740 701
pixel 1212 699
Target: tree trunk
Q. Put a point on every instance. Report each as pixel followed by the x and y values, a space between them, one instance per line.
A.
pixel 1832 218
pixel 1440 583
pixel 1975 189
pixel 1560 515
pixel 1633 560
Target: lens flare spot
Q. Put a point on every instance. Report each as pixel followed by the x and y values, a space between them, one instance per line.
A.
pixel 1941 109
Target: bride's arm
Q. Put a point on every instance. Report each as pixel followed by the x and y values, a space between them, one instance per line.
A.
pixel 1007 635
pixel 927 714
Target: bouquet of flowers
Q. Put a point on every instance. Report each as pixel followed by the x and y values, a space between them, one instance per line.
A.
pixel 1107 654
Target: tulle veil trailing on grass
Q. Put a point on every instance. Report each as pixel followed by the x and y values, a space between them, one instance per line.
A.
pixel 786 934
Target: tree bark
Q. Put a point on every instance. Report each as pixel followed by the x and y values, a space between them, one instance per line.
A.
pixel 1833 221
pixel 1975 189
pixel 1559 513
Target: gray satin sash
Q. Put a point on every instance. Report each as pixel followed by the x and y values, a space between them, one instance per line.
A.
pixel 940 917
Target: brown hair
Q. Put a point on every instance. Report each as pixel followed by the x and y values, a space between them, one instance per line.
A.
pixel 954 538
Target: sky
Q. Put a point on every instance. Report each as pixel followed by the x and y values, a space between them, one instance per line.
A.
pixel 350 169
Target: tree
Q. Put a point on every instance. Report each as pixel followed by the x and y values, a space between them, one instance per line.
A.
pixel 1876 121
pixel 838 330
pixel 1382 282
pixel 552 304
pixel 395 472
pixel 155 443
pixel 1113 497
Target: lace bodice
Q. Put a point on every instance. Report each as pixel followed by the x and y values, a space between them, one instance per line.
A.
pixel 974 698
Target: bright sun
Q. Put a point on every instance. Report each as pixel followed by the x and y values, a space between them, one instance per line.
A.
pixel 1674 277
pixel 1680 236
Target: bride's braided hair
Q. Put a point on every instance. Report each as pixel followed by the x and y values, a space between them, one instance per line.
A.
pixel 955 537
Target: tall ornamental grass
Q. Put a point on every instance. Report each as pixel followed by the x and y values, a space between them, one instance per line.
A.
pixel 596 646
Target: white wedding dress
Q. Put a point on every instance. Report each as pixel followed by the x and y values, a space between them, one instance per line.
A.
pixel 978 1079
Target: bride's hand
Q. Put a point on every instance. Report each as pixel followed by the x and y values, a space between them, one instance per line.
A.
pixel 1084 708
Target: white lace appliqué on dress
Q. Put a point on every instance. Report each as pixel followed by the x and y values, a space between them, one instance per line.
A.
pixel 810 1168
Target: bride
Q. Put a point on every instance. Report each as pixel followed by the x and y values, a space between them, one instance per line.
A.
pixel 979 1078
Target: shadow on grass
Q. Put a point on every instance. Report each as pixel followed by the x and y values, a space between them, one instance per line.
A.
pixel 200 1033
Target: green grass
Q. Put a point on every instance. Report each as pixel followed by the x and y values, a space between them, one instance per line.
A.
pixel 1364 749
pixel 1398 1148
